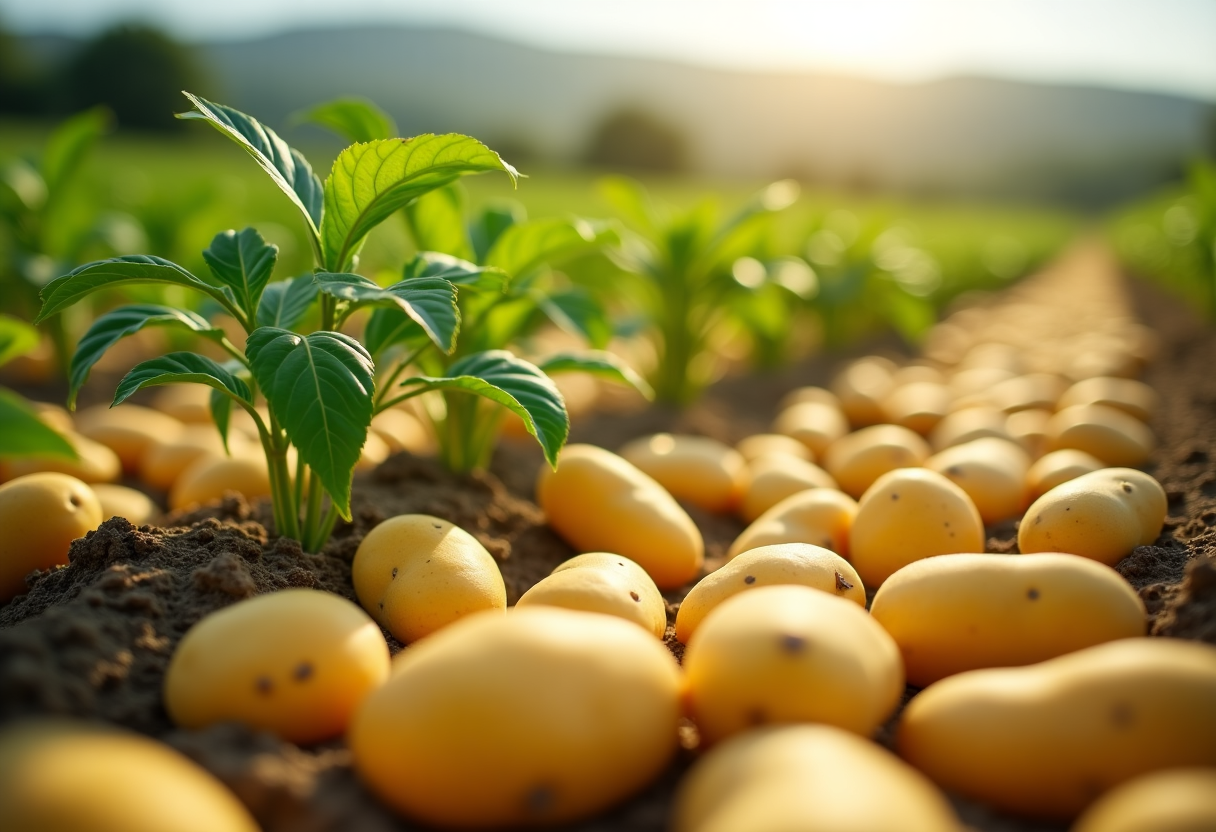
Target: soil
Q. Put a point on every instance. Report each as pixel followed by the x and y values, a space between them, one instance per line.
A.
pixel 92 639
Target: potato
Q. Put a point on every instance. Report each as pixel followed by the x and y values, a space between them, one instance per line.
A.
pixel 58 775
pixel 210 477
pixel 858 459
pixel 774 477
pixel 41 514
pixel 121 501
pixel 188 403
pixel 1046 739
pixel 809 394
pixel 1104 432
pixel 294 662
pixel 813 423
pixel 535 718
pixel 909 514
pixel 164 462
pixel 1029 429
pixel 128 429
pixel 1134 398
pixel 782 563
pixel 1034 390
pixel 1102 515
pixel 1177 800
pixel 812 778
pixel 918 405
pixel 960 612
pixel 403 432
pixel 415 574
pixel 599 502
pixel 96 462
pixel 969 423
pixel 697 469
pixel 790 654
pixel 375 450
pixel 992 471
pixel 605 583
pixel 861 387
pixel 764 444
pixel 821 516
pixel 975 380
pixel 1058 467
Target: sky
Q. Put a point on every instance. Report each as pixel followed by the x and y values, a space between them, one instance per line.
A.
pixel 1162 45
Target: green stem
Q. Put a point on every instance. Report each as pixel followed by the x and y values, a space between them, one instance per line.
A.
pixel 324 530
pixel 312 514
pixel 397 371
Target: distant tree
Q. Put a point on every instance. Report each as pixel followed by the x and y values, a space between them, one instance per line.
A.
pixel 137 71
pixel 20 83
pixel 631 139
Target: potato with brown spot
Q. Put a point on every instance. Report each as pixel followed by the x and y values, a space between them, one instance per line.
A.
pixel 605 583
pixel 992 471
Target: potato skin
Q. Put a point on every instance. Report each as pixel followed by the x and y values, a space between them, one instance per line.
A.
pixel 790 654
pixel 953 613
pixel 1108 433
pixel 992 471
pixel 1046 739
pixel 821 516
pixel 605 583
pixel 41 514
pixel 782 563
pixel 812 778
pixel 697 469
pixel 774 477
pixel 599 502
pixel 415 574
pixel 295 662
pixel 538 717
pixel 857 460
pixel 1176 800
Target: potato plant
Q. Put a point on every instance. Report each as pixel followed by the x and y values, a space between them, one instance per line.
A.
pixel 22 433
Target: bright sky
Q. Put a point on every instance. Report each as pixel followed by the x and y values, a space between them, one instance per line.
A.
pixel 1167 45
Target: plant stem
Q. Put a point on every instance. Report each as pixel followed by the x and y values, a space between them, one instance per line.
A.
pixel 312 514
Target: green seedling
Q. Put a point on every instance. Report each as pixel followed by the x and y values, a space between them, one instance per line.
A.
pixel 22 433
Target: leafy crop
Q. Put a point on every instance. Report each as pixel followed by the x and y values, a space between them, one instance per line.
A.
pixel 22 433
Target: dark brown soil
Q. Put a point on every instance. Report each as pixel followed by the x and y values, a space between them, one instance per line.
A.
pixel 93 639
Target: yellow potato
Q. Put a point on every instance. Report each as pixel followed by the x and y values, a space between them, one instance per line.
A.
pixel 53 416
pixel 403 432
pixel 41 514
pixel 210 477
pixel 782 563
pixel 535 718
pixel 164 462
pixel 960 612
pixel 605 583
pixel 764 444
pixel 375 450
pixel 822 516
pixel 698 469
pixel 809 394
pixel 815 424
pixel 1034 390
pixel 58 775
pixel 1104 432
pixel 415 574
pixel 1132 397
pixel 917 374
pixel 599 502
pixel 1029 429
pixel 918 405
pixel 992 471
pixel 861 387
pixel 857 460
pixel 774 477
pixel 121 501
pixel 812 778
pixel 1058 467
pixel 971 381
pixel 128 429
pixel 909 514
pixel 969 423
pixel 296 662
pixel 96 462
pixel 1176 800
pixel 188 403
pixel 790 654
pixel 1101 515
pixel 1046 739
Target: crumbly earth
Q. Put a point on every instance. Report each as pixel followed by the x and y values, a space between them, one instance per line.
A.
pixel 93 639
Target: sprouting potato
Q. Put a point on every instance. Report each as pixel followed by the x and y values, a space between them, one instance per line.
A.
pixel 821 516
pixel 538 717
pixel 416 574
pixel 1101 515
pixel 857 460
pixel 790 654
pixel 121 501
pixel 295 662
pixel 1046 739
pixel 774 477
pixel 96 462
pixel 1029 429
pixel 909 514
pixel 960 612
pixel 1134 398
pixel 164 462
pixel 605 583
pixel 992 471
pixel 1107 433
pixel 815 424
pixel 1058 467
pixel 41 514
pixel 703 471
pixel 861 388
pixel 918 405
pixel 782 563
pixel 1177 800
pixel 815 778
pixel 128 429
pixel 599 502
pixel 59 775
pixel 209 477
pixel 969 423
pixel 764 444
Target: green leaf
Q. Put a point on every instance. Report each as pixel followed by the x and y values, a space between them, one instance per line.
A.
pixel 64 291
pixel 70 141
pixel 489 225
pixel 370 181
pixel 16 338
pixel 517 385
pixel 320 387
pixel 118 324
pixel 285 165
pixel 576 311
pixel 243 262
pixel 455 270
pixel 436 222
pixel 527 246
pixel 22 189
pixel 629 199
pixel 179 367
pixel 285 301
pixel 597 363
pixel 221 403
pixel 429 301
pixel 354 119
pixel 389 326
pixel 23 434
